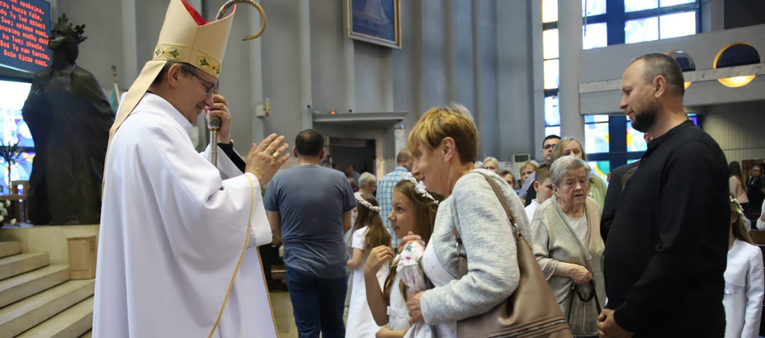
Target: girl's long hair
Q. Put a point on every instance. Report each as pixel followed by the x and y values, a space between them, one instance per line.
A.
pixel 425 211
pixel 739 227
pixel 376 233
pixel 735 170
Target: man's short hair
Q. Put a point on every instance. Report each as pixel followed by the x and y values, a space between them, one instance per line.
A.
pixel 656 64
pixel 185 68
pixel 542 173
pixel 309 142
pixel 404 154
pixel 549 137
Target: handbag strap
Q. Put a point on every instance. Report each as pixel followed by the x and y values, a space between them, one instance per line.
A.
pixel 462 257
pixel 575 290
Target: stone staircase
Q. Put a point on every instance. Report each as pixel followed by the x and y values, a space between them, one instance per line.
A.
pixel 38 300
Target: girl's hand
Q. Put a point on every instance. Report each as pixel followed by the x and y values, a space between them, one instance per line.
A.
pixel 410 237
pixel 377 257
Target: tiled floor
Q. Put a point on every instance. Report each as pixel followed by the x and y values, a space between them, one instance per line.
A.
pixel 285 322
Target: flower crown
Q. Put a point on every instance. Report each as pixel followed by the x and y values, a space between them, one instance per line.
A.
pixel 419 187
pixel 739 209
pixel 366 203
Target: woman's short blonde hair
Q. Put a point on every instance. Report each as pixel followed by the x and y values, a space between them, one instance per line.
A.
pixel 557 150
pixel 530 163
pixel 491 159
pixel 453 121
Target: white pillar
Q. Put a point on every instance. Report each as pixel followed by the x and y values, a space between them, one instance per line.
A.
pixel 304 29
pixel 570 45
pixel 129 71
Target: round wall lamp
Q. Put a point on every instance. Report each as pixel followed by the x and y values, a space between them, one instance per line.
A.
pixel 736 54
pixel 685 61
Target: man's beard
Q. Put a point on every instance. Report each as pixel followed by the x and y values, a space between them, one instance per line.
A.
pixel 645 120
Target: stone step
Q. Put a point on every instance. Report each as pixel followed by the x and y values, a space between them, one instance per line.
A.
pixel 22 286
pixel 71 323
pixel 9 248
pixel 88 334
pixel 17 264
pixel 28 313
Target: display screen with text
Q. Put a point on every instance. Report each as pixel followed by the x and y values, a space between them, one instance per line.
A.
pixel 24 28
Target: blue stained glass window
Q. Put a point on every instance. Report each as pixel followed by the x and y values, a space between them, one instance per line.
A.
pixel 635 140
pixel 19 172
pixel 675 25
pixel 595 35
pixel 641 30
pixel 639 5
pixel 669 3
pixel 596 138
pixel 550 44
pixel 593 7
pixel 549 11
pixel 552 131
pixel 552 112
pixel 600 168
pixel 551 74
pixel 595 118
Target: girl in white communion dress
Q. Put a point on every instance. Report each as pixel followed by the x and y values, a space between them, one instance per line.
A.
pixel 413 213
pixel 743 280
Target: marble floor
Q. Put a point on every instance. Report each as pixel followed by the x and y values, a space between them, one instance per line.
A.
pixel 285 322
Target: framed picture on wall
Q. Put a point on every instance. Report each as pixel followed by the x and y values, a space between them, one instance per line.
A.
pixel 375 21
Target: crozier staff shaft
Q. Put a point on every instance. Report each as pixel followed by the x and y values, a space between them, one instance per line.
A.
pixel 214 122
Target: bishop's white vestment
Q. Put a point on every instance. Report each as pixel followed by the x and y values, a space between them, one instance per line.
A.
pixel 173 238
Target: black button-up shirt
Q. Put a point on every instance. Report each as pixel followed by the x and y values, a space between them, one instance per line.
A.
pixel 667 249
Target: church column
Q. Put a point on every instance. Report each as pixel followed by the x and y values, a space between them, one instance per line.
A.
pixel 570 46
pixel 129 71
pixel 304 33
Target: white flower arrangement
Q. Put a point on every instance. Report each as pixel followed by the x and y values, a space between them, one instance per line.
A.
pixel 366 203
pixel 4 212
pixel 419 187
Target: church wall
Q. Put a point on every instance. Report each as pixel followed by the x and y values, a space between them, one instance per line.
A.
pixel 610 62
pixel 738 132
pixel 451 52
pixel 103 27
pixel 515 79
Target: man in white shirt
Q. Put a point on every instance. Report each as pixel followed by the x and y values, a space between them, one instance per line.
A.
pixel 174 257
pixel 543 187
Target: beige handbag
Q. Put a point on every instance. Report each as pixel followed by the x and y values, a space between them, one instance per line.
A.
pixel 538 313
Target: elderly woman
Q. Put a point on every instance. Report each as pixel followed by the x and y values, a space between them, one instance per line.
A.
pixel 367 183
pixel 569 146
pixel 568 246
pixel 444 144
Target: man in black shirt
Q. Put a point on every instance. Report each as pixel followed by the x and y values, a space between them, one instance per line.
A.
pixel 667 248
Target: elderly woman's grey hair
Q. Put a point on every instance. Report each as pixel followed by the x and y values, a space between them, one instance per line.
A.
pixel 558 148
pixel 366 179
pixel 565 164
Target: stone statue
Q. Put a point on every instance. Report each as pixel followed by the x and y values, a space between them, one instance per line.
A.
pixel 69 118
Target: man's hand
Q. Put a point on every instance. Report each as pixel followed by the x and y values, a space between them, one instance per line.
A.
pixel 608 328
pixel 220 109
pixel 261 161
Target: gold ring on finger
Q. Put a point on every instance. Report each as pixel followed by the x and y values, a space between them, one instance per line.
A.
pixel 276 155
